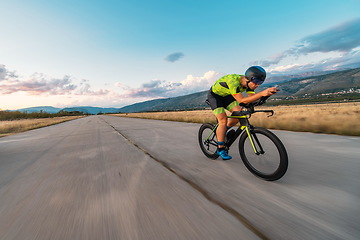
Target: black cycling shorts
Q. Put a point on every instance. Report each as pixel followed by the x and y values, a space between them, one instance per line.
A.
pixel 218 103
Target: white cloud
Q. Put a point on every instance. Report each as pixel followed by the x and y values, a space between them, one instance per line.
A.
pixel 161 88
pixel 37 84
pixel 69 91
pixel 348 60
pixel 285 68
pixel 194 84
pixel 41 84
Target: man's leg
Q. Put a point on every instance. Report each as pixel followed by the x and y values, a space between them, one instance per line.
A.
pixel 221 130
pixel 233 121
pixel 220 134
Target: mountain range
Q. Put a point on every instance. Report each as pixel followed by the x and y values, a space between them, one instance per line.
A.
pixel 346 80
pixel 84 109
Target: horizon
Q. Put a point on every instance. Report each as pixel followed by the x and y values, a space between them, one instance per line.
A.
pixel 297 79
pixel 268 83
pixel 114 54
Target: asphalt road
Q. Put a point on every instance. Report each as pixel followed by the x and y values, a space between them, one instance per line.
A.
pixel 104 177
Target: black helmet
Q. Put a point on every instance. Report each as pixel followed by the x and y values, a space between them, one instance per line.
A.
pixel 255 74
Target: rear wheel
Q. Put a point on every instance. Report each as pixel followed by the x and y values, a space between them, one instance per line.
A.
pixel 207 140
pixel 271 160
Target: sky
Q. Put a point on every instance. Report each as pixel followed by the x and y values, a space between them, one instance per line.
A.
pixel 112 53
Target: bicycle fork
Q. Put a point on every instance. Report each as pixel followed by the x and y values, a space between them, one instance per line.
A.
pixel 253 137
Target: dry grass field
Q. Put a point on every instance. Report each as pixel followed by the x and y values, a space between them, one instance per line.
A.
pixel 332 118
pixel 22 125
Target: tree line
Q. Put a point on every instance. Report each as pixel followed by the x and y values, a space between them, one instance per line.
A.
pixel 15 115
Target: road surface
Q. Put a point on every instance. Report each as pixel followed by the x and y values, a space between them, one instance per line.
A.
pixel 105 177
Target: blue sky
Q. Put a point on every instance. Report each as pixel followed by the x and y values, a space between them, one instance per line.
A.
pixel 115 53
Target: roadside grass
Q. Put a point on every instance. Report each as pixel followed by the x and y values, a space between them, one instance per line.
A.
pixel 330 118
pixel 16 126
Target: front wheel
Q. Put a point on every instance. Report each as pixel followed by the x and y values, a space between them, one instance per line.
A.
pixel 207 140
pixel 264 155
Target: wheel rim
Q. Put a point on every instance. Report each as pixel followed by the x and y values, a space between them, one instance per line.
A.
pixel 263 164
pixel 209 146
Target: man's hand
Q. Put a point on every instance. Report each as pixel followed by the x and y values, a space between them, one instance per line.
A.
pixel 269 91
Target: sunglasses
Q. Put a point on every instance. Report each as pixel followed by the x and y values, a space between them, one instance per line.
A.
pixel 257 81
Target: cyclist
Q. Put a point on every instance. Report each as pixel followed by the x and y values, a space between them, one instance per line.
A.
pixel 226 93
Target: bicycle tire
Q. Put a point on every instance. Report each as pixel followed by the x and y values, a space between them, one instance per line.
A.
pixel 270 165
pixel 208 147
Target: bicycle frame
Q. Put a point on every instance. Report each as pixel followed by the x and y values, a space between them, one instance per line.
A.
pixel 244 127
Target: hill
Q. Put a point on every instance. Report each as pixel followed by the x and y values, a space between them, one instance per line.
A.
pixel 84 109
pixel 47 109
pixel 338 84
pixel 91 110
pixel 329 83
pixel 191 101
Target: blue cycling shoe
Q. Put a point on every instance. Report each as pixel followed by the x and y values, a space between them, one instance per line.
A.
pixel 223 154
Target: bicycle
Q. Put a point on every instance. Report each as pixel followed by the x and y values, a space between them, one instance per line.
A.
pixel 261 151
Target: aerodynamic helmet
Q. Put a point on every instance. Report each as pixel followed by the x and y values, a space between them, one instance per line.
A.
pixel 255 74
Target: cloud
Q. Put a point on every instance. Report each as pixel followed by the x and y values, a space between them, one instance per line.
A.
pixel 73 91
pixel 160 88
pixel 37 84
pixel 350 60
pixel 174 57
pixel 41 84
pixel 195 84
pixel 343 38
pixel 2 72
pixel 85 89
pixel 153 89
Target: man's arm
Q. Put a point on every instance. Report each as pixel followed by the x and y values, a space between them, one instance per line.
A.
pixel 253 97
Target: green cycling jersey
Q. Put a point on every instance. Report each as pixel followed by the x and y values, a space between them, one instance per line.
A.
pixel 229 85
